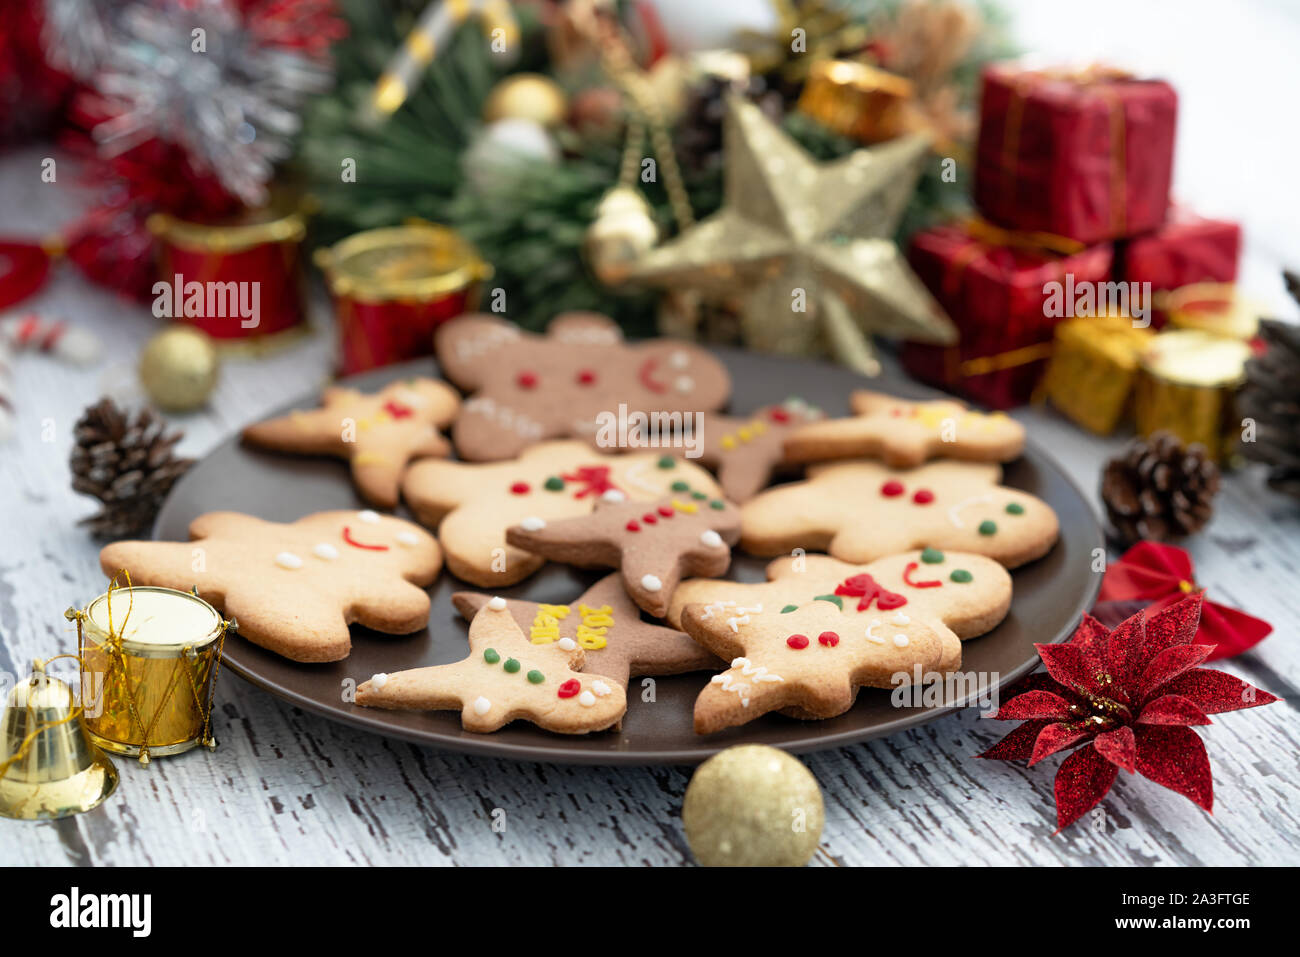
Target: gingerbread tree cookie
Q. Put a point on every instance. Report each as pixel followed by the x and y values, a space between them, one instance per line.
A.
pixel 904 434
pixel 607 625
pixel 296 587
pixel 472 504
pixel 654 543
pixel 527 388
pixel 860 511
pixel 504 678
pixel 820 629
pixel 378 432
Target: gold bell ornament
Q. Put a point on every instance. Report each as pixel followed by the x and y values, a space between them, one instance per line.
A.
pixel 623 231
pixel 49 768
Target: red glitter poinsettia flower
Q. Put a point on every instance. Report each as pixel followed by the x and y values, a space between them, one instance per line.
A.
pixel 1127 699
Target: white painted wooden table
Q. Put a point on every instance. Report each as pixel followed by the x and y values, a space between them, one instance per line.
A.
pixel 288 787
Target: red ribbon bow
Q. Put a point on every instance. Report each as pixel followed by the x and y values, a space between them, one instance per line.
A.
pixel 1160 575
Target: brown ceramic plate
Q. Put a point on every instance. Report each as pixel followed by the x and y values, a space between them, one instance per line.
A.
pixel 1050 596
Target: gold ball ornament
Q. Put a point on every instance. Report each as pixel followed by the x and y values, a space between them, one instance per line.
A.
pixel 753 806
pixel 178 368
pixel 623 231
pixel 526 96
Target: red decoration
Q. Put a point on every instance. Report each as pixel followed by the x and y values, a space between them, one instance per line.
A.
pixel 867 589
pixel 923 496
pixel 828 638
pixel 519 488
pixel 632 525
pixel 992 283
pixel 666 511
pixel 526 380
pixel 1087 155
pixel 398 410
pixel 1123 699
pixel 907 578
pixel 586 377
pixel 347 537
pixel 892 489
pixel 569 688
pixel 797 642
pixel 594 479
pixel 1186 249
pixel 1159 575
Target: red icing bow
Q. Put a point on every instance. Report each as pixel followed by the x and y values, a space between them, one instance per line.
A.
pixel 1159 575
pixel 1123 699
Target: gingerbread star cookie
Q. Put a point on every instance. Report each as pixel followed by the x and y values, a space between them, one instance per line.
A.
pixel 860 511
pixel 688 532
pixel 804 642
pixel 607 625
pixel 472 504
pixel 504 678
pixel 296 587
pixel 746 451
pixel 526 388
pixel 904 434
pixel 378 432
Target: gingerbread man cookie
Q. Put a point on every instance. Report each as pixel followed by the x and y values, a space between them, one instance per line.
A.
pixel 607 625
pixel 527 388
pixel 688 532
pixel 904 434
pixel 860 511
pixel 505 677
pixel 472 505
pixel 296 587
pixel 378 433
pixel 819 629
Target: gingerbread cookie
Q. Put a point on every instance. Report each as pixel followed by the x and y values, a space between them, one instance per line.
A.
pixel 527 388
pixel 688 532
pixel 904 434
pixel 819 629
pixel 294 588
pixel 505 677
pixel 472 505
pixel 607 625
pixel 378 433
pixel 860 511
pixel 746 451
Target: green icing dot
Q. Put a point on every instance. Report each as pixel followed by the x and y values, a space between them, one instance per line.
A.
pixel 961 576
pixel 699 496
pixel 988 527
pixel 931 556
pixel 554 484
pixel 835 600
pixel 536 677
pixel 490 656
pixel 666 462
pixel 718 504
pixel 789 608
pixel 1015 508
pixel 512 665
pixel 680 486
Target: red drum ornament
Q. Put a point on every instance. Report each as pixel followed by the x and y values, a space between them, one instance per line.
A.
pixel 237 280
pixel 392 287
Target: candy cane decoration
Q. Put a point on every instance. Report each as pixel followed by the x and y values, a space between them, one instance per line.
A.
pixel 51 336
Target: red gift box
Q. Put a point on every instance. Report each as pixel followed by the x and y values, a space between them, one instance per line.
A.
pixel 1186 250
pixel 991 283
pixel 1086 155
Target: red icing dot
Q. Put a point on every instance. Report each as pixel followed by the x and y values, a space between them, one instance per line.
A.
pixel 797 642
pixel 779 415
pixel 569 688
pixel 397 410
pixel 892 488
pixel 828 638
pixel 586 377
pixel 649 518
pixel 632 526
pixel 526 380
pixel 666 511
pixel 519 488
pixel 923 496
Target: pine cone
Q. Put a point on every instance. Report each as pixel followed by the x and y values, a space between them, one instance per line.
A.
pixel 1271 397
pixel 127 463
pixel 1158 489
pixel 698 140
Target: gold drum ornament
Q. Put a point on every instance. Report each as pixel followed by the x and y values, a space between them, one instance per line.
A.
pixel 150 658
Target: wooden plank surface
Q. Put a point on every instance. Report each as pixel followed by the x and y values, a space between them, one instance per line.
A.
pixel 287 787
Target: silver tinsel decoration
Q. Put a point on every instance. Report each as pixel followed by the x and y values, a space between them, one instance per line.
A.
pixel 191 74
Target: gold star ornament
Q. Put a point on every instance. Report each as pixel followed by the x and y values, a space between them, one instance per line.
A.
pixel 807 246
